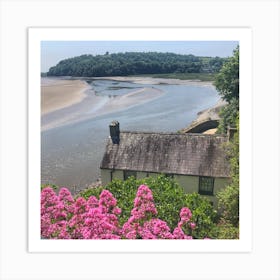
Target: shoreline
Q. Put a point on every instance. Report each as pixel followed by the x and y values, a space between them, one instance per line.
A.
pixel 58 94
pixel 210 114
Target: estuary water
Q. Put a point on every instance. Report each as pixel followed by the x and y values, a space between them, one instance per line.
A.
pixel 73 139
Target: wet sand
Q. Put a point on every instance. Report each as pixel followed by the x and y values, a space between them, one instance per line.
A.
pixel 86 105
pixel 58 94
pixel 128 100
pixel 156 81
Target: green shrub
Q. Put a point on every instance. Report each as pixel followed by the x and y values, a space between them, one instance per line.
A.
pixel 203 215
pixel 225 230
pixel 169 197
pixel 54 187
pixel 228 204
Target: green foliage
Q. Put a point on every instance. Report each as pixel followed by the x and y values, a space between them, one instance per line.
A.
pixel 227 80
pixel 135 63
pixel 228 198
pixel 233 153
pixel 228 204
pixel 203 214
pixel 227 84
pixel 225 230
pixel 228 116
pixel 169 197
pixel 54 187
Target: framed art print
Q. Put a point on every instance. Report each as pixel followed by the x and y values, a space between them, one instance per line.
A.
pixel 138 139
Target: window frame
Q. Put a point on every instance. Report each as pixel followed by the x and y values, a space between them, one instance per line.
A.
pixel 169 175
pixel 126 176
pixel 206 189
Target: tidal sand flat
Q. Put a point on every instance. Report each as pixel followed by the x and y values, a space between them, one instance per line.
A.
pixel 156 81
pixel 95 99
pixel 57 94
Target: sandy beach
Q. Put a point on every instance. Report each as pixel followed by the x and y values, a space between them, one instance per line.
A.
pixel 58 94
pixel 206 115
pixel 211 113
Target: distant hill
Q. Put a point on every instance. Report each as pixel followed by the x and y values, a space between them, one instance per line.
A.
pixel 135 63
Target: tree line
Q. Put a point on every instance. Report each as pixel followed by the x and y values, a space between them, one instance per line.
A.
pixel 135 63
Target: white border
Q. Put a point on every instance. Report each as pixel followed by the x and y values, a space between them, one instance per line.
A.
pixel 243 35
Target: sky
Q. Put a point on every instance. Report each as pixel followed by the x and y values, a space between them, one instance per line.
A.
pixel 54 51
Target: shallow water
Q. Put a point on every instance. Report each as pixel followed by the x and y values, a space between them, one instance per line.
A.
pixel 71 153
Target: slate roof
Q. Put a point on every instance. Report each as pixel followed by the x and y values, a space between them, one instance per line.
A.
pixel 173 153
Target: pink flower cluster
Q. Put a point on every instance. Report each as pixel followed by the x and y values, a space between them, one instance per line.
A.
pixel 62 217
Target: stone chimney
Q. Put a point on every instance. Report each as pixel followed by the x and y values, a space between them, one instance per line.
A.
pixel 115 132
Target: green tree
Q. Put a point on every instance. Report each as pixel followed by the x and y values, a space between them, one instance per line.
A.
pixel 227 84
pixel 227 80
pixel 228 116
pixel 131 63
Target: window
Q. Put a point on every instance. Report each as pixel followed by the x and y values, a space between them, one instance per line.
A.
pixel 128 173
pixel 206 185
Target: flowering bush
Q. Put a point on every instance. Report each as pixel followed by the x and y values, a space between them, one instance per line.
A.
pixel 62 217
pixel 168 196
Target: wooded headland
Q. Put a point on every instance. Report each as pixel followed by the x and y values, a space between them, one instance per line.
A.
pixel 137 63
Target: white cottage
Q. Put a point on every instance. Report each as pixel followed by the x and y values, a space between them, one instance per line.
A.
pixel 196 161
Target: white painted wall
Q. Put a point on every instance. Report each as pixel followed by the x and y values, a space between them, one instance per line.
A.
pixel 105 176
pixel 189 183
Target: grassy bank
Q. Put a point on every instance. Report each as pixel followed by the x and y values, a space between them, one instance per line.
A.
pixel 181 76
